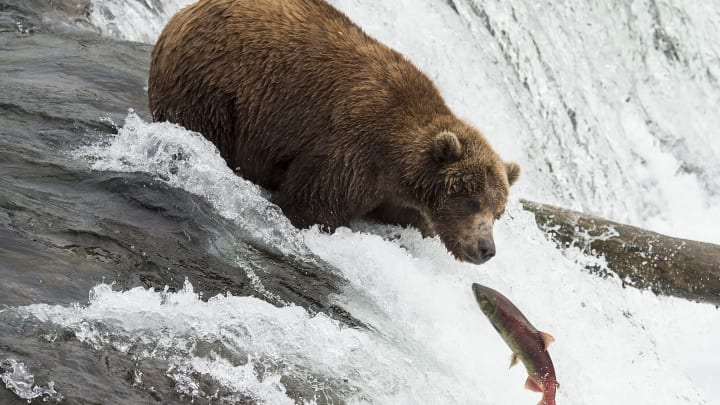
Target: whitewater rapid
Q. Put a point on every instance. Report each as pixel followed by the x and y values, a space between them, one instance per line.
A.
pixel 610 109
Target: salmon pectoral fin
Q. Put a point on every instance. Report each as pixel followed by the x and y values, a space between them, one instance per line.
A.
pixel 531 385
pixel 513 360
pixel 547 339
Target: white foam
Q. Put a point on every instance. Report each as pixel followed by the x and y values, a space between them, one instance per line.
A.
pixel 422 300
pixel 187 160
pixel 18 379
pixel 284 341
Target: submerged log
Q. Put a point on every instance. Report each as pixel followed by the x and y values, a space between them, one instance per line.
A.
pixel 641 258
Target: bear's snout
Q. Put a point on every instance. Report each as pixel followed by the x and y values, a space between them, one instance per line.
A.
pixel 486 250
pixel 481 246
pixel 480 253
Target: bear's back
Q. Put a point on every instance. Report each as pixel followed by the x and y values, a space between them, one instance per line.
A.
pixel 266 80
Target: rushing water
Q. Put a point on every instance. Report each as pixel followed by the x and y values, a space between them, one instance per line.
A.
pixel 138 268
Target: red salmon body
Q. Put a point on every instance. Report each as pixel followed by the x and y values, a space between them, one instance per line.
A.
pixel 528 344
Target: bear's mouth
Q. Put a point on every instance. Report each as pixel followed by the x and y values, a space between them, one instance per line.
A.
pixel 474 259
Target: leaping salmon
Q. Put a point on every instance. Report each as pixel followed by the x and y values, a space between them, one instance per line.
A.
pixel 528 344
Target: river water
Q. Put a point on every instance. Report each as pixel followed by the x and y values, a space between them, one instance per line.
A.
pixel 137 268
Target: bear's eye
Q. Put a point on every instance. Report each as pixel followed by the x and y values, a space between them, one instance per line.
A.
pixel 472 205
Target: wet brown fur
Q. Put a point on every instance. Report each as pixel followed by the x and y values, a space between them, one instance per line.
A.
pixel 300 100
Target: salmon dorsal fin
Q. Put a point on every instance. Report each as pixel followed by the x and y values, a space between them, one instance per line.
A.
pixel 547 339
pixel 513 360
pixel 531 385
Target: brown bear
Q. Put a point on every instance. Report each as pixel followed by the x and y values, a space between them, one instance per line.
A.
pixel 299 100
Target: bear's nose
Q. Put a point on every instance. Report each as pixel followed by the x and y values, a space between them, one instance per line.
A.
pixel 486 249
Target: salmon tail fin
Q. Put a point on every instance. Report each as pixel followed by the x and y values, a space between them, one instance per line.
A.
pixel 546 401
pixel 513 360
pixel 547 339
pixel 531 385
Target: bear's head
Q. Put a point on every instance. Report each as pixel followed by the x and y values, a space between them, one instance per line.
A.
pixel 464 185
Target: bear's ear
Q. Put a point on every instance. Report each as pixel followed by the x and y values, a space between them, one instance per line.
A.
pixel 513 172
pixel 447 148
